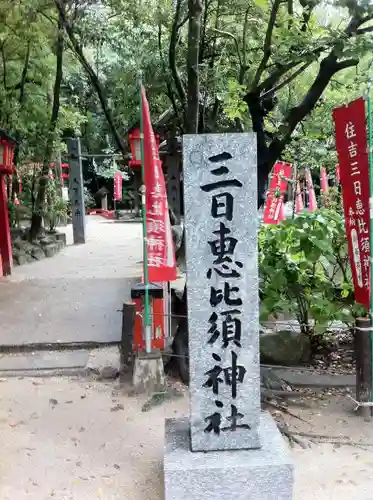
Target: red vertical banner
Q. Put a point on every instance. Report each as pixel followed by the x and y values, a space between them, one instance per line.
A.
pixel 275 196
pixel 351 144
pixel 160 246
pixel 324 183
pixel 118 180
pixel 299 205
pixel 281 215
pixel 312 203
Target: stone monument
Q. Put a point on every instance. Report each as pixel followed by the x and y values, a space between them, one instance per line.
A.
pixel 76 189
pixel 228 448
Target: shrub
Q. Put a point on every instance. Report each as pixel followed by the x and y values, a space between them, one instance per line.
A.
pixel 304 271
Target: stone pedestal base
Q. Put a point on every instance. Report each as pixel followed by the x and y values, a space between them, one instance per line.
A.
pixel 261 474
pixel 148 373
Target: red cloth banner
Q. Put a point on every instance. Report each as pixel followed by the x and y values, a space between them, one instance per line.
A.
pixel 118 181
pixel 281 215
pixel 324 180
pixel 299 205
pixel 312 203
pixel 161 254
pixel 351 144
pixel 275 195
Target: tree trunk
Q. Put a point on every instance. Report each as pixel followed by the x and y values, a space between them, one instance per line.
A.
pixel 194 33
pixel 92 75
pixel 21 100
pixel 265 159
pixel 37 218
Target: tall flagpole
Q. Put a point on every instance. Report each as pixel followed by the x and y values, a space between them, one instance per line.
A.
pixel 147 322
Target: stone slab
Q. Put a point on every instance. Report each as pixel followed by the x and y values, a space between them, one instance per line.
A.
pixel 318 380
pixel 45 360
pixel 211 162
pixel 62 310
pixel 261 474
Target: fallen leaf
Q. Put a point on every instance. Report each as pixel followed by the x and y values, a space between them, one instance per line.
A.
pixel 117 408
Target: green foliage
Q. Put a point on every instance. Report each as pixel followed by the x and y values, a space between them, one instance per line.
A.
pixel 55 208
pixel 12 212
pixel 89 201
pixel 304 270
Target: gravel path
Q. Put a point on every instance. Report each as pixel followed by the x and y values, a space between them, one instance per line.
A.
pixel 69 439
pixel 74 296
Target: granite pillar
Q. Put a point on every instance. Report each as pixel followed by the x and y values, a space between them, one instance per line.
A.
pixel 228 448
pixel 220 196
pixel 76 190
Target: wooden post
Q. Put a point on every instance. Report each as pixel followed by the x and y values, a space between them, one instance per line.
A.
pixel 128 324
pixel 5 239
pixel 363 364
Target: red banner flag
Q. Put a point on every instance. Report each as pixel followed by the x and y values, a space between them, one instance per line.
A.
pixel 281 215
pixel 351 144
pixel 324 180
pixel 299 205
pixel 118 180
pixel 312 203
pixel 160 246
pixel 275 196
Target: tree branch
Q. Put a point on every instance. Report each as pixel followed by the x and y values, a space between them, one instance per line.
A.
pixel 4 64
pixel 287 80
pixel 194 33
pixel 182 23
pixel 348 63
pixel 58 78
pixel 230 35
pixel 244 66
pixel 172 56
pixel 170 92
pixel 362 31
pixel 204 31
pixel 267 43
pixel 350 31
pixel 97 85
pixel 329 66
pixel 22 83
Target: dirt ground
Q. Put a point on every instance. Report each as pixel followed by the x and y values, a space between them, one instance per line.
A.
pixel 75 439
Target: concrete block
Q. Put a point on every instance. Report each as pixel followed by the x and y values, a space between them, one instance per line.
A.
pixel 148 373
pixel 260 474
pixel 51 250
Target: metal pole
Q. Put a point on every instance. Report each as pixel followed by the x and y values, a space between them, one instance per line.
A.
pixel 148 326
pixel 370 143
